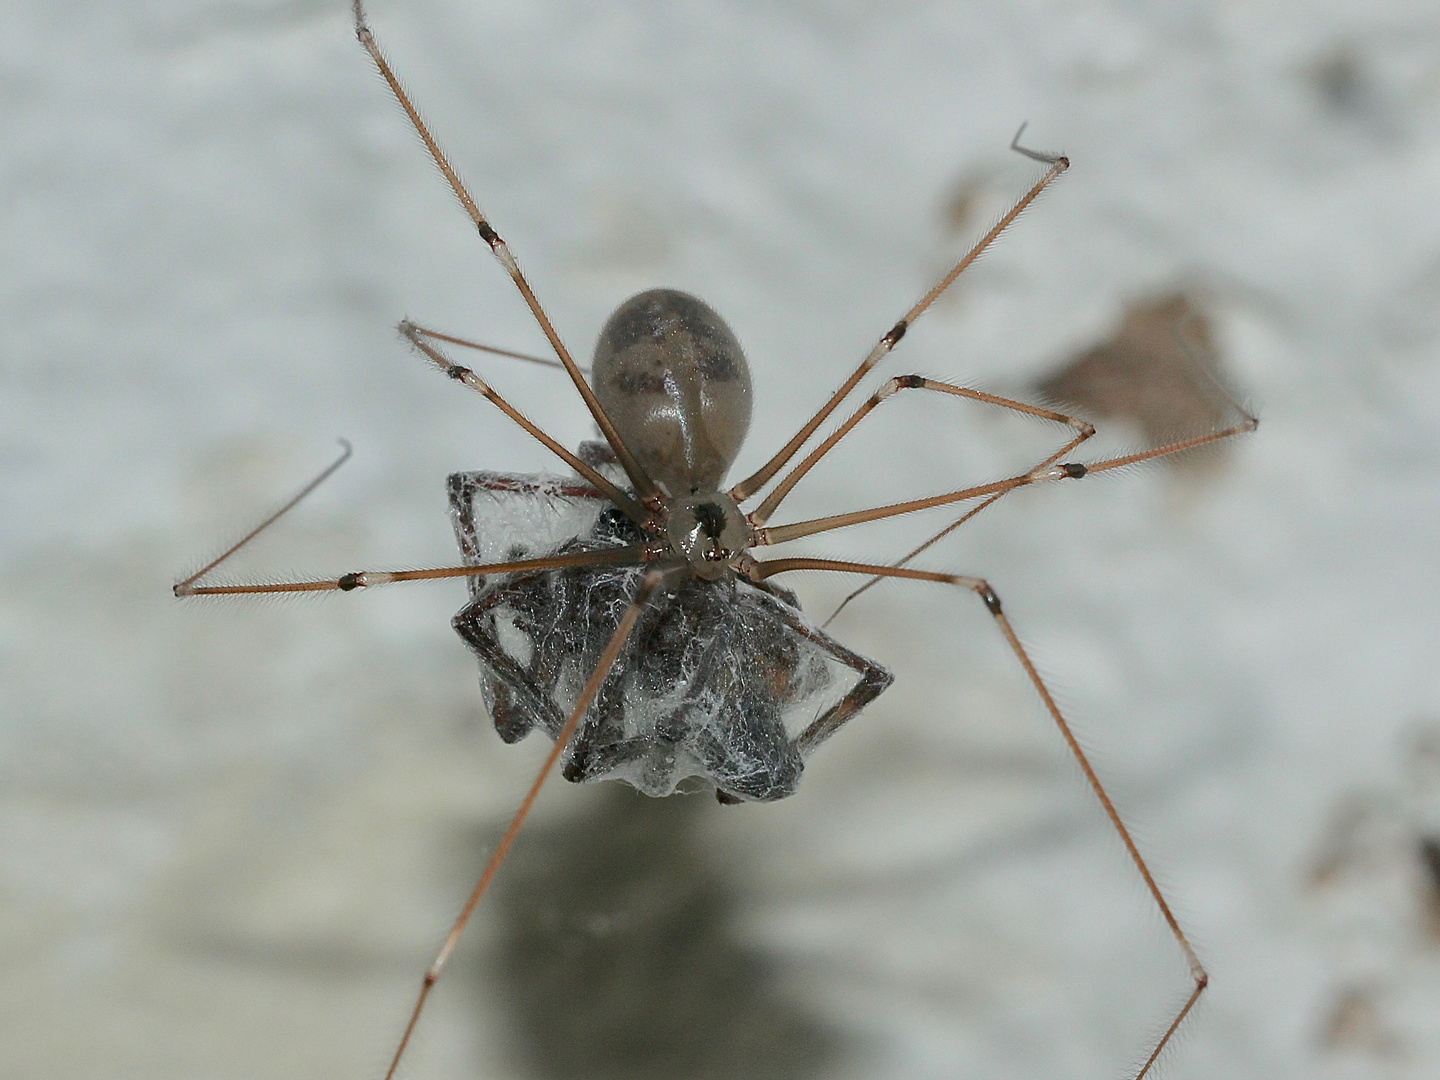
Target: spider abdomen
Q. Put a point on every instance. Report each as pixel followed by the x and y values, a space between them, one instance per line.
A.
pixel 672 376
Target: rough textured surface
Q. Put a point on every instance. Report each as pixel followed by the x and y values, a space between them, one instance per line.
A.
pixel 231 835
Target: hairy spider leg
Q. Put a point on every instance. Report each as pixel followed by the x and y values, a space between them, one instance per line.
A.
pixel 645 488
pixel 364 579
pixel 654 578
pixel 184 588
pixel 633 510
pixel 981 588
pixel 751 484
pixel 409 329
pixel 889 389
pixel 948 529
pixel 1250 422
pixel 1068 471
pixel 361 579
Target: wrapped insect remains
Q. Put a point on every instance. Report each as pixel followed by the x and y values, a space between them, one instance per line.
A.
pixel 732 684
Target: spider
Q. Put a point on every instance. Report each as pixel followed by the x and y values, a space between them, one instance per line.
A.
pixel 623 610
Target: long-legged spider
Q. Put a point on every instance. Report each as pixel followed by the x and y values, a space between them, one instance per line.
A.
pixel 624 611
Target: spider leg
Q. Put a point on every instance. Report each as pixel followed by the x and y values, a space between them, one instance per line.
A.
pixel 522 695
pixel 1034 155
pixel 948 529
pixel 1199 364
pixel 521 699
pixel 762 513
pixel 653 579
pixel 981 588
pixel 751 484
pixel 600 744
pixel 184 588
pixel 644 486
pixel 874 680
pixel 1069 471
pixel 451 339
pixel 362 579
pixel 413 334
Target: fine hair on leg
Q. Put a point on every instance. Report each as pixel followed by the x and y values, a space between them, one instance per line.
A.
pixel 187 587
pixel 409 329
pixel 653 579
pixel 418 340
pixel 1067 471
pixel 889 389
pixel 645 487
pixel 981 588
pixel 753 483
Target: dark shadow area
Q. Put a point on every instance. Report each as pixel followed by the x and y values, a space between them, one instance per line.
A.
pixel 1161 372
pixel 615 956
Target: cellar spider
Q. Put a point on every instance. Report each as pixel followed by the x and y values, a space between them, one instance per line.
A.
pixel 634 623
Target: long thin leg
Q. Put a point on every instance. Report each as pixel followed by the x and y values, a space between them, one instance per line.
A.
pixel 1068 471
pixel 364 579
pixel 780 534
pixel 981 588
pixel 1202 367
pixel 948 529
pixel 888 390
pixel 633 510
pixel 326 473
pixel 644 486
pixel 652 580
pixel 407 328
pixel 755 481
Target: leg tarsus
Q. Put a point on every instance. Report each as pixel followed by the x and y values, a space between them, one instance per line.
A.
pixel 188 587
pixel 751 484
pixel 1037 155
pixel 409 330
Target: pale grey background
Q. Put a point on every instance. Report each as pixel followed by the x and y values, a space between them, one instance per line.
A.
pixel 230 835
